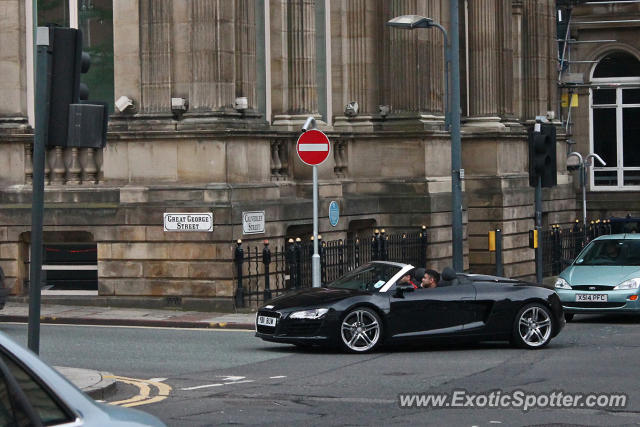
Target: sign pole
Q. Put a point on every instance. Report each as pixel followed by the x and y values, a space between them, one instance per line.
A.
pixel 313 148
pixel 315 259
pixel 538 207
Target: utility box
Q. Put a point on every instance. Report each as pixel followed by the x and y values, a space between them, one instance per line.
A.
pixel 87 127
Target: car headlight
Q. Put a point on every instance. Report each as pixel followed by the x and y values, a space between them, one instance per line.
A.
pixel 629 284
pixel 562 284
pixel 315 314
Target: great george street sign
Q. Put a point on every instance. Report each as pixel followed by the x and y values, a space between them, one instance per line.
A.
pixel 188 221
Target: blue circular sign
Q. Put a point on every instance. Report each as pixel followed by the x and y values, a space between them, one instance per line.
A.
pixel 334 213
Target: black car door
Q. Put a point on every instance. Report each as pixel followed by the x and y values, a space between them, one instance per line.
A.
pixel 425 312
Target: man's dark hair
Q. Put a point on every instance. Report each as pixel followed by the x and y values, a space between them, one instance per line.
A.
pixel 434 274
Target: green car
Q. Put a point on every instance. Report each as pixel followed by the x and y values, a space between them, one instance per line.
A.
pixel 604 277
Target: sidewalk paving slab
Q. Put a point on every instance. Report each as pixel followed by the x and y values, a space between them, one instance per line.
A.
pixel 62 314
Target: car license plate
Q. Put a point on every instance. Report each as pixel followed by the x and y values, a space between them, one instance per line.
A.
pixel 267 321
pixel 591 297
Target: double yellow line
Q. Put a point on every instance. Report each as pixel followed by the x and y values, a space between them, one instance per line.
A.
pixel 144 396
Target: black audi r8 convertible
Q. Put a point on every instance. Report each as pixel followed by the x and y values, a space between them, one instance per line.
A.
pixel 367 307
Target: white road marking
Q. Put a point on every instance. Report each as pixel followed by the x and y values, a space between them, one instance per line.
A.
pixel 495 422
pixel 278 376
pixel 217 384
pixel 202 386
pixel 158 380
pixel 233 378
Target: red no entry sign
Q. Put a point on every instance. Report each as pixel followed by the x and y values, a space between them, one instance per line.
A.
pixel 313 147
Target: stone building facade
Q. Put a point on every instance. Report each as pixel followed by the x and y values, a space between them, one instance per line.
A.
pixel 602 76
pixel 390 163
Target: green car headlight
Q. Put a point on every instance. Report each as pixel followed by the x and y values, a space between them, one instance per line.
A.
pixel 629 284
pixel 315 314
pixel 562 284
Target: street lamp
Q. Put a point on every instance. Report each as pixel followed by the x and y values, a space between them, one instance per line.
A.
pixel 452 113
pixel 582 166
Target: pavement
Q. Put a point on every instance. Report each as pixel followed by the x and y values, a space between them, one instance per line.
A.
pixel 100 385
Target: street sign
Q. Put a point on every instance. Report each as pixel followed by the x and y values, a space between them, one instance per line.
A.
pixel 313 147
pixel 199 221
pixel 334 213
pixel 253 222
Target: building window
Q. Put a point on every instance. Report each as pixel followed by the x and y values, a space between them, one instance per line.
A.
pixel 615 122
pixel 95 19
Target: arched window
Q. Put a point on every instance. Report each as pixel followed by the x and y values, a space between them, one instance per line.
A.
pixel 615 122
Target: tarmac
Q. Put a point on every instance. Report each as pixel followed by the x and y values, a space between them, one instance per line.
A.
pixel 100 385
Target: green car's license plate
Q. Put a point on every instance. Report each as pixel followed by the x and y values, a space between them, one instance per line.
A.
pixel 591 297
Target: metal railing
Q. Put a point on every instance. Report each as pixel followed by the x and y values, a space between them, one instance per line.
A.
pixel 560 246
pixel 263 273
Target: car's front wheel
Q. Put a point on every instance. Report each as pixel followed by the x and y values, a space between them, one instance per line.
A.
pixel 533 326
pixel 360 330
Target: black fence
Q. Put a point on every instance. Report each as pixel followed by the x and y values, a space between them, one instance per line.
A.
pixel 560 246
pixel 262 273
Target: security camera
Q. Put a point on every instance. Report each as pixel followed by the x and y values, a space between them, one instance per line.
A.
pixel 351 110
pixel 179 105
pixel 241 103
pixel 309 124
pixel 123 103
pixel 384 110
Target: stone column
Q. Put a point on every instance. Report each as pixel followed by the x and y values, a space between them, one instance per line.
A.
pixel 155 41
pixel 483 68
pixel 213 55
pixel 12 62
pixel 539 57
pixel 245 76
pixel 126 50
pixel 516 43
pixel 357 28
pixel 506 63
pixel 414 63
pixel 294 78
pixel 359 59
pixel 301 46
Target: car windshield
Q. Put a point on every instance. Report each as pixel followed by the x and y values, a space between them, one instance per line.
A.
pixel 369 277
pixel 611 252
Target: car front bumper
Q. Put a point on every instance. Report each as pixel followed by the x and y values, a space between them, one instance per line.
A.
pixel 618 301
pixel 293 331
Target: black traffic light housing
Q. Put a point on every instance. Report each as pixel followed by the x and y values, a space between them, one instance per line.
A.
pixel 542 155
pixel 73 120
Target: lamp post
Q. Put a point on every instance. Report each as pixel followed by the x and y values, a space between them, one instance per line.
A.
pixel 583 165
pixel 452 115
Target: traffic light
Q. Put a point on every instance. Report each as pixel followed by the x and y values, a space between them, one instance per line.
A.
pixel 542 155
pixel 73 120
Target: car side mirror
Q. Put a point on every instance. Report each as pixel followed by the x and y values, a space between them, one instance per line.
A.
pixel 402 289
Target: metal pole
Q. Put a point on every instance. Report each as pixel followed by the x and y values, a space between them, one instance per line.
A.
pixel 315 259
pixel 539 228
pixel 583 184
pixel 37 202
pixel 456 148
pixel 499 265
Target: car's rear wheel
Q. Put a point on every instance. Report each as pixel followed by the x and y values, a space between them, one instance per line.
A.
pixel 360 330
pixel 568 317
pixel 533 326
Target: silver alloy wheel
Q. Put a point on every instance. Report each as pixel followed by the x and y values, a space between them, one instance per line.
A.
pixel 534 326
pixel 360 330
